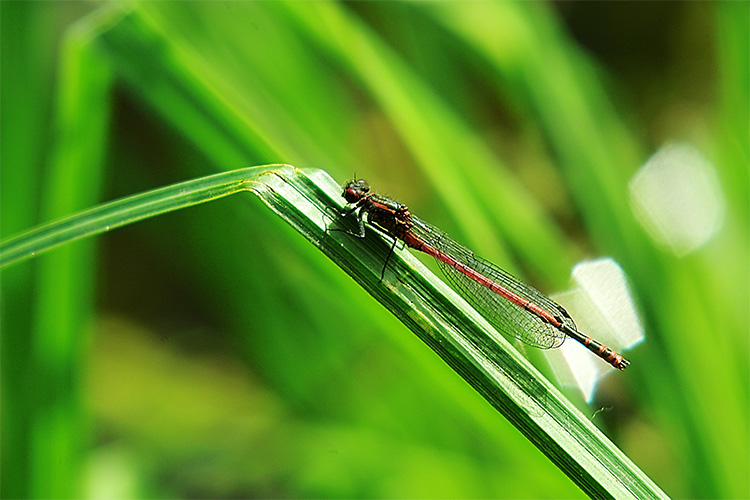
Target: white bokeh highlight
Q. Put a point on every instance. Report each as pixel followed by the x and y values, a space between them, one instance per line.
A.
pixel 676 197
pixel 603 308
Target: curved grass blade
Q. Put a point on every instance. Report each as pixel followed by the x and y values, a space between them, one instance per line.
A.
pixel 127 210
pixel 430 309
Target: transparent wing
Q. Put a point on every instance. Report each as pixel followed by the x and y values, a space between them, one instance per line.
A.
pixel 508 317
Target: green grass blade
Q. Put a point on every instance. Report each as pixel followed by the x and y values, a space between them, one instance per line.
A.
pixel 183 88
pixel 126 211
pixel 64 282
pixel 421 301
pixel 463 340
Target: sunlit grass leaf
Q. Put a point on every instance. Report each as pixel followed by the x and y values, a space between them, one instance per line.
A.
pixel 309 202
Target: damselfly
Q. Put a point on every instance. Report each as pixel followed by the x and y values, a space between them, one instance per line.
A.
pixel 512 307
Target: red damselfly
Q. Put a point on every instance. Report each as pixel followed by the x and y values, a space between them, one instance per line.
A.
pixel 512 307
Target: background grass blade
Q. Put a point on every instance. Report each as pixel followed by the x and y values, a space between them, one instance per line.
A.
pixel 46 401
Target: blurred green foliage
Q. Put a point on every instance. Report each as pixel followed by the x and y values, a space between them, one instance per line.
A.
pixel 214 353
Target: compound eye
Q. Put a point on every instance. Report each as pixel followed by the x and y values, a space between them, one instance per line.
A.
pixel 351 195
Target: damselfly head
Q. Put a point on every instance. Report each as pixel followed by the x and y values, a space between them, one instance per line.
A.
pixel 355 190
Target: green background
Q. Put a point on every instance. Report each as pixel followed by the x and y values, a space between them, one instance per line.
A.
pixel 215 353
